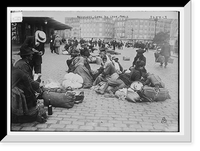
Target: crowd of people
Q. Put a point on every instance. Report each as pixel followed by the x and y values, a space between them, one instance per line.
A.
pixel 26 75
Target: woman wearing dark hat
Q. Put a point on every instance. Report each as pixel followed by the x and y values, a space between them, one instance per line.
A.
pixel 23 64
pixel 36 43
pixel 139 56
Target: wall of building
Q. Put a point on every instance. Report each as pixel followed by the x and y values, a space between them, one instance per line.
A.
pixel 119 29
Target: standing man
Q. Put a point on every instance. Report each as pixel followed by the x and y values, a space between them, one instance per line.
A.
pixel 52 38
pixel 165 51
pixel 114 44
pixel 36 44
pixel 57 44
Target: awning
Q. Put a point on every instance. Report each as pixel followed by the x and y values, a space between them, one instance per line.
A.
pixel 49 22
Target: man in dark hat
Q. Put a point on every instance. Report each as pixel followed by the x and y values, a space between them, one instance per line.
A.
pixel 36 43
pixel 23 64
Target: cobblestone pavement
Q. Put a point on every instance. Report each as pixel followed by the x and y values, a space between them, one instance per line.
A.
pixel 98 113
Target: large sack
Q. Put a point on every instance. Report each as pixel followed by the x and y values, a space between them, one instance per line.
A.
pixel 121 93
pixel 73 85
pixel 161 95
pixel 132 96
pixel 59 99
pixel 73 77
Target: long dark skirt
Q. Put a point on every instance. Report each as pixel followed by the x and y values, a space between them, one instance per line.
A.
pixel 85 74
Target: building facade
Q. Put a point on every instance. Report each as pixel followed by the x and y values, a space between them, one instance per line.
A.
pixel 145 29
pixel 174 32
pixel 75 24
pixel 122 28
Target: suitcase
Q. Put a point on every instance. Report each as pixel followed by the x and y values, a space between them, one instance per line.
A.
pixel 126 58
pixel 160 59
pixel 161 95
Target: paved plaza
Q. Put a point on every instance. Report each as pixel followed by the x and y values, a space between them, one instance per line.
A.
pixel 100 114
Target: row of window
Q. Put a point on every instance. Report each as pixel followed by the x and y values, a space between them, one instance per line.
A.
pixel 97 34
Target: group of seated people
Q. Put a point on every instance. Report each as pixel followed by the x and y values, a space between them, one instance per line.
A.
pixel 111 72
pixel 24 86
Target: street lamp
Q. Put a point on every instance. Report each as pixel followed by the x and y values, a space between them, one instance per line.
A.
pixel 132 34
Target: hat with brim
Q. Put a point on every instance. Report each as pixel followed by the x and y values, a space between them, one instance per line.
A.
pixel 25 52
pixel 140 51
pixel 115 58
pixel 40 36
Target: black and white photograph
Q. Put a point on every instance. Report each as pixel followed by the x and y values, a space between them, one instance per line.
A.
pixel 94 70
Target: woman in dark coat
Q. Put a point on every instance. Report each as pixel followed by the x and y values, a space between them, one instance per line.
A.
pixel 139 57
pixel 166 52
pixel 24 103
pixel 24 65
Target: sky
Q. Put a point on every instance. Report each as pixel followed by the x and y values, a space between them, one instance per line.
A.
pixel 59 14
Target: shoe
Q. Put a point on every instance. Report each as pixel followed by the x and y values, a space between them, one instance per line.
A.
pixel 99 91
pixel 110 95
pixel 79 98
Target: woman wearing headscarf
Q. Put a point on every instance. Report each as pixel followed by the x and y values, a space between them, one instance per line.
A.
pixel 80 65
pixel 109 71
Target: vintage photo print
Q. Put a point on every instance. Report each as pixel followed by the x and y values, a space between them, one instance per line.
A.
pixel 95 71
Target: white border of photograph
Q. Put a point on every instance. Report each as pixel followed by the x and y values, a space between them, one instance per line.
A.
pixel 119 137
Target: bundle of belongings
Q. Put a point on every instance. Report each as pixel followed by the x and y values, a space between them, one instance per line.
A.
pixel 138 92
pixel 72 80
pixel 61 95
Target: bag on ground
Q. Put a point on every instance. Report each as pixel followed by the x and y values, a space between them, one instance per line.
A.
pixel 132 96
pixel 161 95
pixel 59 99
pixel 160 59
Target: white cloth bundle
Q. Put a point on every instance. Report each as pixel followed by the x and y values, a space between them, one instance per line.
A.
pixel 72 80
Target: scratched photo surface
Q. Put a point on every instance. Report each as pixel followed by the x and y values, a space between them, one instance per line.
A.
pixel 119 69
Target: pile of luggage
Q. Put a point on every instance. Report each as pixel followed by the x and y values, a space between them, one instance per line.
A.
pixel 64 94
pixel 139 93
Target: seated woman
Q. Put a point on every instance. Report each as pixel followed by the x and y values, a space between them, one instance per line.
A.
pixel 23 100
pixel 124 79
pixel 109 72
pixel 117 65
pixel 80 65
